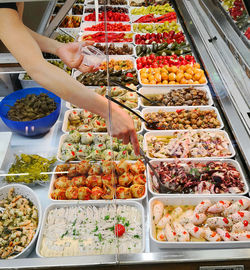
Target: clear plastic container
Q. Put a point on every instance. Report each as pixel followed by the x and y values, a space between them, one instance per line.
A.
pixel 92 56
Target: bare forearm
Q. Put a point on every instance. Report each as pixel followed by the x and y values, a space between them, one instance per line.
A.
pixel 46 44
pixel 59 82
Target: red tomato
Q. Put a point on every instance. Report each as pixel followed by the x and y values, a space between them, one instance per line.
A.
pixel 119 230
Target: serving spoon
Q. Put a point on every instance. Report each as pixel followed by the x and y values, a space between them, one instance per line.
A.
pixel 152 125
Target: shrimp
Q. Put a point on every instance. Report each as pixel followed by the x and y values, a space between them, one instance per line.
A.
pixel 170 233
pixel 211 236
pixel 181 233
pixel 202 206
pixel 224 234
pixel 161 235
pixel 240 216
pixel 163 221
pixel 176 212
pixel 242 236
pixel 158 209
pixel 218 207
pixel 240 205
pixel 195 231
pixel 241 226
pixel 215 222
pixel 198 219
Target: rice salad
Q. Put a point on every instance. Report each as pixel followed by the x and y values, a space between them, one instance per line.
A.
pixel 90 230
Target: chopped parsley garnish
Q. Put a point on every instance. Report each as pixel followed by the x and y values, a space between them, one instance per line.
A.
pixel 99 236
pixel 127 223
pixel 74 223
pixel 106 217
pixel 132 229
pixel 111 228
pixel 64 234
pixel 96 229
pixel 137 236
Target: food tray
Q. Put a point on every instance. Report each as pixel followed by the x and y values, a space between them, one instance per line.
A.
pixel 164 85
pixel 97 204
pixel 172 109
pixel 66 116
pixel 130 45
pixel 170 133
pixel 86 33
pixel 167 89
pixel 144 33
pixel 72 31
pixel 108 3
pixel 27 83
pixel 31 195
pixel 53 178
pixel 86 14
pixel 136 17
pixel 70 11
pixel 62 140
pixel 229 161
pixel 193 200
pixel 123 57
pixel 76 74
pixel 113 6
pixel 91 23
pixel 5 138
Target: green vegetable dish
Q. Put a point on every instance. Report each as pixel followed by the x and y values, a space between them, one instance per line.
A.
pixel 29 168
pixel 32 107
pixel 90 146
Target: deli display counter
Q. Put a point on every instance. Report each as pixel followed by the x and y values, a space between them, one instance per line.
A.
pixel 90 201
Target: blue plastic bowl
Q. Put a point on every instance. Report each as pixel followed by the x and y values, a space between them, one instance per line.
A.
pixel 34 127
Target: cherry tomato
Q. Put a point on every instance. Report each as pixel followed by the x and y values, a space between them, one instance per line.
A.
pixel 119 230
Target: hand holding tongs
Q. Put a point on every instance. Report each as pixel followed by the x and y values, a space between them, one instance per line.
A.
pixel 152 125
pixel 131 90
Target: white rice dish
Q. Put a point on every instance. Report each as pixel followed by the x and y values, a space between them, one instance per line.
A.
pixel 89 230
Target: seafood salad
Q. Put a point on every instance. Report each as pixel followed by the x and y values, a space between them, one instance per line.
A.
pixel 183 119
pixel 108 180
pixel 189 144
pixel 207 221
pixel 83 121
pixel 212 177
pixel 92 230
pixel 90 146
pixel 18 224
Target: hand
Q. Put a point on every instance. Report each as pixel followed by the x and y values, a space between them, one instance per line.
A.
pixel 70 54
pixel 122 127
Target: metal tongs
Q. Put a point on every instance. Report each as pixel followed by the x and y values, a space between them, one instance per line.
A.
pixel 152 125
pixel 131 90
pixel 162 188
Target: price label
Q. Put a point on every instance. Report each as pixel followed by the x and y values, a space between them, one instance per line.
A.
pixel 224 267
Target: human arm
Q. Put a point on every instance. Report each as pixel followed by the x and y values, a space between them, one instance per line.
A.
pixel 25 49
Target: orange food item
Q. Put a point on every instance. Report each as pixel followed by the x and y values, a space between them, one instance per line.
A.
pixel 171 76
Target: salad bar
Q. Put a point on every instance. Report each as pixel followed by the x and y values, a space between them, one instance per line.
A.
pixel 76 196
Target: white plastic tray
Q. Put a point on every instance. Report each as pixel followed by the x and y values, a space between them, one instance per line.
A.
pixel 97 204
pixel 130 45
pixel 76 74
pixel 192 200
pixel 27 83
pixel 167 89
pixel 86 33
pixel 173 109
pixel 53 179
pixel 5 138
pixel 86 24
pixel 108 3
pixel 228 161
pixel 31 195
pixel 179 27
pixel 164 85
pixel 66 116
pixel 170 133
pixel 136 17
pixel 123 57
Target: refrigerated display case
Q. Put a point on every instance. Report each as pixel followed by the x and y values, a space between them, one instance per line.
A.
pixel 194 130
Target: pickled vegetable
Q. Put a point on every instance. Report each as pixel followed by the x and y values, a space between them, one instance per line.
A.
pixel 158 10
pixel 156 28
pixel 32 107
pixel 32 166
